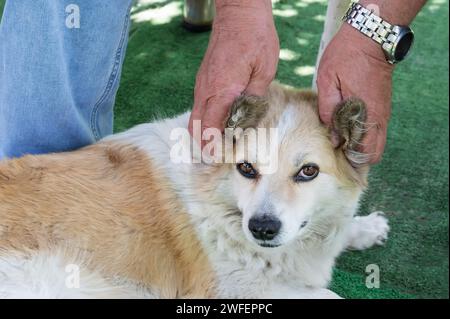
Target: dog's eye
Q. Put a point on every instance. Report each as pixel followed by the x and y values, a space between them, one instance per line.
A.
pixel 307 173
pixel 247 170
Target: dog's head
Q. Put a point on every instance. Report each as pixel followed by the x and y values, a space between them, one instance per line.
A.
pixel 289 180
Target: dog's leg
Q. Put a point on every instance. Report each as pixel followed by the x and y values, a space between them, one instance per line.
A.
pixel 367 231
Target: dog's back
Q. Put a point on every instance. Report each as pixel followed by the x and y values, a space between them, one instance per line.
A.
pixel 108 203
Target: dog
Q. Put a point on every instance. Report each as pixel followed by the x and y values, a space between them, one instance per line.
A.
pixel 121 219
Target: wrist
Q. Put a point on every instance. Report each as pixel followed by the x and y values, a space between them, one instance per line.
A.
pixel 240 15
pixel 393 40
pixel 396 12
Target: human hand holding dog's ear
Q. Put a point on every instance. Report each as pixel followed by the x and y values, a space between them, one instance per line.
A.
pixel 242 56
pixel 355 66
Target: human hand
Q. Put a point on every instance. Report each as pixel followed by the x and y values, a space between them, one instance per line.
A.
pixel 355 66
pixel 242 56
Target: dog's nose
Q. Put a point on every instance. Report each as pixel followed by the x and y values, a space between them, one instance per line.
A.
pixel 264 227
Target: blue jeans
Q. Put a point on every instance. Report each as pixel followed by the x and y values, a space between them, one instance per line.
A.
pixel 58 77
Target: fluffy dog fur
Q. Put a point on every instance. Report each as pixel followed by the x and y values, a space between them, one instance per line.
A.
pixel 138 225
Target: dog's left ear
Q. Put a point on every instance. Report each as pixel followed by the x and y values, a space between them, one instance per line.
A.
pixel 247 111
pixel 349 124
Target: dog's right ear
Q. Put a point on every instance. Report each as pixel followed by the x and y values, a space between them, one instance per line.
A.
pixel 349 124
pixel 247 111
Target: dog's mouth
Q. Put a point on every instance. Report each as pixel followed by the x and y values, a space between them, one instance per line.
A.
pixel 266 244
pixel 275 242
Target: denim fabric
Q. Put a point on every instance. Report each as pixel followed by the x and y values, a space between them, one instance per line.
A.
pixel 58 82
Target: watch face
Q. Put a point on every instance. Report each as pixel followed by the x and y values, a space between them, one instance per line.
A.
pixel 404 45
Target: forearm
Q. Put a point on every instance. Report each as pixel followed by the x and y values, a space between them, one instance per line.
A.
pixel 255 4
pixel 399 12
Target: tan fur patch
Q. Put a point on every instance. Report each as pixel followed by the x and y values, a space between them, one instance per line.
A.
pixel 108 200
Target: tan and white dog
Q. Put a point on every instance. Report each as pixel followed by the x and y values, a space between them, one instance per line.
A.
pixel 120 219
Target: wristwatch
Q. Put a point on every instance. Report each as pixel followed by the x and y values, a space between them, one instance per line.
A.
pixel 395 40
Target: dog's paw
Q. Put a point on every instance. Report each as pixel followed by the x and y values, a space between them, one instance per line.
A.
pixel 368 231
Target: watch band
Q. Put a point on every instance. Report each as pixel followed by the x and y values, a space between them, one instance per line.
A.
pixel 372 26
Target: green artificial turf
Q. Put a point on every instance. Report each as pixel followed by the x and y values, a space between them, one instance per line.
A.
pixel 411 183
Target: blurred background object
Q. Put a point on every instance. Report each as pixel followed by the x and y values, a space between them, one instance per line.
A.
pixel 198 15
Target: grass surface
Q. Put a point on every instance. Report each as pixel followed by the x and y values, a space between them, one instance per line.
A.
pixel 411 183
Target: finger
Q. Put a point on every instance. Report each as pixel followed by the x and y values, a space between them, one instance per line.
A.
pixel 329 96
pixel 194 125
pixel 374 143
pixel 196 115
pixel 200 97
pixel 216 107
pixel 380 144
pixel 369 143
pixel 257 87
pixel 216 112
pixel 195 118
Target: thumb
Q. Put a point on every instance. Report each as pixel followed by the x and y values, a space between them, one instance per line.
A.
pixel 216 112
pixel 374 142
pixel 329 96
